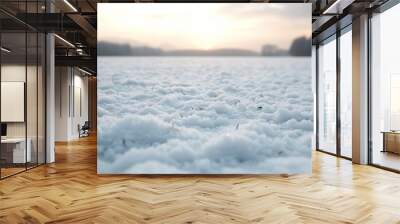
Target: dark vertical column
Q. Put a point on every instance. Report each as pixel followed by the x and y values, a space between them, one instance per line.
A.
pixel 73 91
pixel 338 81
pixel 69 91
pixel 1 165
pixel 92 103
pixel 317 97
pixel 26 86
pixel 37 90
pixel 45 90
pixel 369 62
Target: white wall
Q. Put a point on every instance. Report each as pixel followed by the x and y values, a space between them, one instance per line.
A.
pixel 62 81
pixel 13 101
pixel 70 83
pixel 14 73
pixel 33 126
pixel 81 89
pixel 17 73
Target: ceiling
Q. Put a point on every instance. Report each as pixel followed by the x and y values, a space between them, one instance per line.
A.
pixel 75 21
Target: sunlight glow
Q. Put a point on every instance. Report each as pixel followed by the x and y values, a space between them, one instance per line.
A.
pixel 203 26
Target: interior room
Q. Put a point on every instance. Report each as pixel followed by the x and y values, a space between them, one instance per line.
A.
pixel 71 103
pixel 22 100
pixel 49 137
pixel 25 64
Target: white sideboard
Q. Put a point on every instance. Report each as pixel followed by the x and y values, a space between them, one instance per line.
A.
pixel 19 153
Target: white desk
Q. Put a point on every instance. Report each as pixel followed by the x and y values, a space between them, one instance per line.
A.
pixel 19 155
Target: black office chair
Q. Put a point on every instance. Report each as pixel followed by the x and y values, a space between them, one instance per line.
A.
pixel 84 130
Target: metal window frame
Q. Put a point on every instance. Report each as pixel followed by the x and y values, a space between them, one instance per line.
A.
pixel 386 6
pixel 381 9
pixel 334 37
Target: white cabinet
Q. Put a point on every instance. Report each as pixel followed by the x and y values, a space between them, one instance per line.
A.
pixel 18 149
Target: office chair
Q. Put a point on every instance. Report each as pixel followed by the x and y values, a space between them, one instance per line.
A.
pixel 84 130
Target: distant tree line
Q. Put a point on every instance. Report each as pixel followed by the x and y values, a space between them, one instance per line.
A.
pixel 300 47
pixel 114 49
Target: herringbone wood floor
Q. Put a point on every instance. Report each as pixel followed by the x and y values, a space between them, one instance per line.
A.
pixel 70 191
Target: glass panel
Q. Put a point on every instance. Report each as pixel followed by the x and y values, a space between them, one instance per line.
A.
pixel 346 94
pixel 327 96
pixel 13 88
pixel 386 89
pixel 41 99
pixel 31 88
pixel 23 90
pixel 31 100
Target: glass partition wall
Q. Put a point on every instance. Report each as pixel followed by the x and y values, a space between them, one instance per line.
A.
pixel 345 61
pixel 327 95
pixel 385 89
pixel 22 88
pixel 334 90
pixel 13 89
pixel 334 105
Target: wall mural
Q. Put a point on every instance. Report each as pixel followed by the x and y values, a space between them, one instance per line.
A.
pixel 204 88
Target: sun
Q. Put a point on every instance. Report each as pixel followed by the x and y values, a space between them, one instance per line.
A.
pixel 208 31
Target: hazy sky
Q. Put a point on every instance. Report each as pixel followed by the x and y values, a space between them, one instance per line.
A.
pixel 204 26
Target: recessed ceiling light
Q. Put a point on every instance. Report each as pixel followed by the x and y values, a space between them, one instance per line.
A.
pixel 64 40
pixel 84 71
pixel 337 7
pixel 5 50
pixel 70 5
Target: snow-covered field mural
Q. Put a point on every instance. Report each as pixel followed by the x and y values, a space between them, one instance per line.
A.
pixel 223 108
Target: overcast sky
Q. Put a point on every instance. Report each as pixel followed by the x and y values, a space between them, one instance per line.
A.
pixel 204 26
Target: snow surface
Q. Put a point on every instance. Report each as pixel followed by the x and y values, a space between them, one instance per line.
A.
pixel 204 115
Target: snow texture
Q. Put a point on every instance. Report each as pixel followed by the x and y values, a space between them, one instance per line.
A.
pixel 180 115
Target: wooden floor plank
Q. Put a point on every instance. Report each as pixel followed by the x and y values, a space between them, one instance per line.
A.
pixel 70 191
